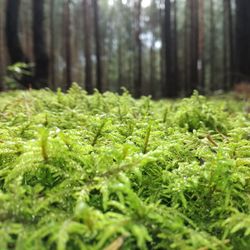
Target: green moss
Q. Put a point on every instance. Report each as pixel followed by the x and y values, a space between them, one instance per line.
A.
pixel 90 172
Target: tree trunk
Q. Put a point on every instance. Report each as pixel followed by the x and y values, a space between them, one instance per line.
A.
pixel 39 46
pixel 212 46
pixel 226 46
pixel 168 45
pixel 12 38
pixel 162 53
pixel 138 51
pixel 120 62
pixel 194 44
pixel 231 43
pixel 2 63
pixel 87 47
pixel 201 62
pixel 243 40
pixel 152 68
pixel 52 46
pixel 67 40
pixel 187 50
pixel 174 55
pixel 99 83
pixel 13 42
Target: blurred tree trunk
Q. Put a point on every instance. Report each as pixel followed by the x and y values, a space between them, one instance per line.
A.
pixel 170 27
pixel 194 45
pixel 162 53
pixel 67 45
pixel 227 48
pixel 39 46
pixel 52 45
pixel 12 38
pixel 2 63
pixel 174 55
pixel 212 46
pixel 99 83
pixel 138 50
pixel 27 29
pixel 243 40
pixel 187 49
pixel 13 42
pixel 120 62
pixel 168 86
pixel 201 61
pixel 87 47
pixel 231 42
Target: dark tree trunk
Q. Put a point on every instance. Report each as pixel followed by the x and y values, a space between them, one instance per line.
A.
pixel 227 47
pixel 152 68
pixel 120 63
pixel 212 46
pixel 170 28
pixel 138 51
pixel 67 45
pixel 99 83
pixel 2 59
pixel 162 53
pixel 12 38
pixel 174 59
pixel 194 44
pixel 243 40
pixel 187 50
pixel 154 21
pixel 87 47
pixel 201 61
pixel 52 45
pixel 231 43
pixel 39 46
pixel 169 87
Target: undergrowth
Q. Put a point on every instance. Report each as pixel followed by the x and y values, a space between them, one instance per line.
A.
pixel 110 172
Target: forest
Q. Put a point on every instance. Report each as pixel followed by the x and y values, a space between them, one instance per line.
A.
pixel 151 47
pixel 124 124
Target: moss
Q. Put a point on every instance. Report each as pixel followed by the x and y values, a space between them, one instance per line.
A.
pixel 82 171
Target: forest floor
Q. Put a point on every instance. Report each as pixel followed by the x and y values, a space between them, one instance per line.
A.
pixel 111 172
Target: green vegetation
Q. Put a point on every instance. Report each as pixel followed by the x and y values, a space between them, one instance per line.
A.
pixel 111 172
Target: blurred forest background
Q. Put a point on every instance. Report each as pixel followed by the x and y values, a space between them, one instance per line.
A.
pixel 165 48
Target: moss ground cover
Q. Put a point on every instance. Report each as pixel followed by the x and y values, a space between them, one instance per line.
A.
pixel 110 172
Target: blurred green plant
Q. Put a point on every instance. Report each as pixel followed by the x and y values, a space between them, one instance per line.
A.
pixel 15 73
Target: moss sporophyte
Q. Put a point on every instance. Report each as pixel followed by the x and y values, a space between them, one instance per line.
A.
pixel 106 171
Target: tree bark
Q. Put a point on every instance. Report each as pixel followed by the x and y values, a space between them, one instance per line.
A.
pixel 227 45
pixel 201 46
pixel 87 47
pixel 52 46
pixel 99 83
pixel 174 59
pixel 13 43
pixel 171 85
pixel 162 53
pixel 194 44
pixel 231 43
pixel 2 63
pixel 39 46
pixel 187 50
pixel 212 46
pixel 120 62
pixel 67 45
pixel 12 38
pixel 243 40
pixel 138 50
